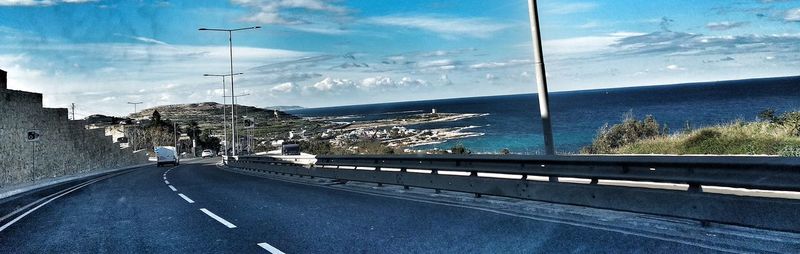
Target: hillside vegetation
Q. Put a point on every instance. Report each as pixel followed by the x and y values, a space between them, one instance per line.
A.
pixel 772 135
pixel 208 115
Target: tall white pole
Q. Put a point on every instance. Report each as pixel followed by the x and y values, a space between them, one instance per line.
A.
pixel 175 133
pixel 233 98
pixel 541 80
pixel 224 116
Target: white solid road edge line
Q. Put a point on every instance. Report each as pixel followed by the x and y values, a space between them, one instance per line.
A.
pixel 220 219
pixel 173 188
pixel 186 198
pixel 271 249
pixel 69 190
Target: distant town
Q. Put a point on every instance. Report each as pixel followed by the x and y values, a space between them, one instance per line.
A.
pixel 199 126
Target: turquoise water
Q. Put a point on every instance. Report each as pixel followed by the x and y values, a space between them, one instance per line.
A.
pixel 513 121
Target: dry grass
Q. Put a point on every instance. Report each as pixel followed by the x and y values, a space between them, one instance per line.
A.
pixel 751 138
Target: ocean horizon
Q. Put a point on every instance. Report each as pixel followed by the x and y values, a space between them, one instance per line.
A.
pixel 513 122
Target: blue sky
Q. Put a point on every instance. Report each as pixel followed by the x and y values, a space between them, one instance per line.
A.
pixel 102 54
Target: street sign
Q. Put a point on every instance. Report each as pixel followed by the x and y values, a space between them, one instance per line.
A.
pixel 33 136
pixel 249 123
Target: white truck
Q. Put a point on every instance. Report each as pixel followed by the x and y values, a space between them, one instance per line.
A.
pixel 167 155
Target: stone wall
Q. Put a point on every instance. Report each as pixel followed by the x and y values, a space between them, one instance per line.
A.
pixel 65 147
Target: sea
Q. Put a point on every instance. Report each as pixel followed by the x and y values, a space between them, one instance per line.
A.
pixel 513 122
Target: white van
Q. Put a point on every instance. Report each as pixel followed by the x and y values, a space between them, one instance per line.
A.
pixel 167 155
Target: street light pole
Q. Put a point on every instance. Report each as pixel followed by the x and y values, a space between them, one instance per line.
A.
pixel 233 98
pixel 175 133
pixel 233 121
pixel 224 103
pixel 541 80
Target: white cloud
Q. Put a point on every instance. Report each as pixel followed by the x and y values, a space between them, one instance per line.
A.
pixel 327 30
pixel 282 12
pixel 110 98
pixel 493 65
pixel 444 26
pixel 287 87
pixel 724 25
pixel 674 67
pixel 377 82
pixel 792 15
pixel 329 84
pixel 144 39
pixel 590 25
pixel 570 8
pixel 41 2
pixel 212 92
pixel 437 63
pixel 585 44
pixel 337 86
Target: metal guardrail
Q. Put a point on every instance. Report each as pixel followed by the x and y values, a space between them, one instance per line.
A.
pixel 692 172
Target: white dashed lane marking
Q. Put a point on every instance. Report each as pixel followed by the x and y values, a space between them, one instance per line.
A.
pixel 219 219
pixel 173 188
pixel 186 198
pixel 269 248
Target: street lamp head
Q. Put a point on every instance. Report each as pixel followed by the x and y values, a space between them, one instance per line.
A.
pixel 257 27
pixel 202 29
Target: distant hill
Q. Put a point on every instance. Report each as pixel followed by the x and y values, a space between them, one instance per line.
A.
pixel 100 120
pixel 208 115
pixel 283 108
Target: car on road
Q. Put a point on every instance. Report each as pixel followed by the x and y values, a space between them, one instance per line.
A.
pixel 207 153
pixel 290 149
pixel 166 155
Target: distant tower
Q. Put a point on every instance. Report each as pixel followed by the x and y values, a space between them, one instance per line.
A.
pixel 3 80
pixel 276 114
pixel 433 111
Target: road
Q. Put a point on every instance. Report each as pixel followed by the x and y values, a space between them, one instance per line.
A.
pixel 199 208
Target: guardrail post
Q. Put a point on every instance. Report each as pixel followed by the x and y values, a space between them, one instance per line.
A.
pixel 436 172
pixel 378 169
pixel 694 187
pixel 404 170
pixel 475 174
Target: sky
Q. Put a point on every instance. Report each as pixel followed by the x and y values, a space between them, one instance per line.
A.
pixel 101 54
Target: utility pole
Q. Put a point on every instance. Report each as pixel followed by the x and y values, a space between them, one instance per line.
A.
pixel 224 104
pixel 541 80
pixel 72 107
pixel 233 123
pixel 134 105
pixel 233 98
pixel 194 141
pixel 175 133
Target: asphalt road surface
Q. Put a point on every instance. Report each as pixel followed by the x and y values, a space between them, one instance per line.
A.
pixel 199 208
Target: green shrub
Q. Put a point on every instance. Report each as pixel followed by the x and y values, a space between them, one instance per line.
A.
pixel 791 121
pixel 772 135
pixel 460 149
pixel 768 115
pixel 790 151
pixel 316 147
pixel 702 136
pixel 628 132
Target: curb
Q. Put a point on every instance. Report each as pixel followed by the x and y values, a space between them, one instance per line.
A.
pixel 28 187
